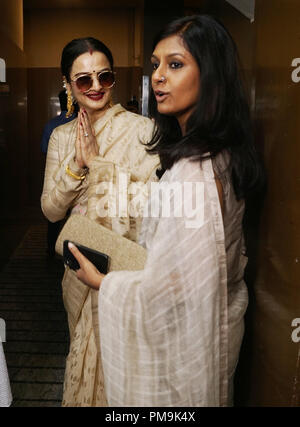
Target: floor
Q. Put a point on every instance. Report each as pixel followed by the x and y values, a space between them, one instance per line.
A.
pixel 31 305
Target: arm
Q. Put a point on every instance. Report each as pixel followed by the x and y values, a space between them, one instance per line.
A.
pixel 60 190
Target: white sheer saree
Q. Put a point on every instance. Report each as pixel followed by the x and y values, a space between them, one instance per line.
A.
pixel 170 335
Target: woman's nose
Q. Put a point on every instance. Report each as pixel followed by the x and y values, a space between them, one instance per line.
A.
pixel 158 75
pixel 96 84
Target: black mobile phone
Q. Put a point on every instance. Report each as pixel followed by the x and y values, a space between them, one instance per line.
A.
pixel 100 260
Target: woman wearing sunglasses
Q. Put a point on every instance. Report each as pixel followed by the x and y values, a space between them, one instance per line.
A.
pixel 171 335
pixel 101 146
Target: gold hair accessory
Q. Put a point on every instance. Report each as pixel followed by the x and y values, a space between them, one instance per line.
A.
pixel 70 106
pixel 73 175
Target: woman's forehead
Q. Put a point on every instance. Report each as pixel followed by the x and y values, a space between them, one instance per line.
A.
pixel 170 45
pixel 90 62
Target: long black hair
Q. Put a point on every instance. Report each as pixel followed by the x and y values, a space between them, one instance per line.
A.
pixel 76 48
pixel 221 119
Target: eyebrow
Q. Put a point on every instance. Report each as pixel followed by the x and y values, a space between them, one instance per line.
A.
pixel 170 55
pixel 88 72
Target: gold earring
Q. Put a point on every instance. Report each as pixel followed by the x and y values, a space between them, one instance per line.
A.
pixel 70 105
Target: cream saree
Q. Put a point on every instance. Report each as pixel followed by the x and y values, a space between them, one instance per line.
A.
pixel 122 157
pixel 170 334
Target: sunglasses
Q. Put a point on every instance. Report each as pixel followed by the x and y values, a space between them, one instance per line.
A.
pixel 105 78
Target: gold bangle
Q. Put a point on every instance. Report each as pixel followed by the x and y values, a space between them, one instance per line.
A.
pixel 70 173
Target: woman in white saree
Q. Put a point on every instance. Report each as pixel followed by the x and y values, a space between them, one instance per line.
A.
pixel 170 334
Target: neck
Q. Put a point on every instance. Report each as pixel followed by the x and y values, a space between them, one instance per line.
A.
pixel 94 115
pixel 182 124
pixel 182 119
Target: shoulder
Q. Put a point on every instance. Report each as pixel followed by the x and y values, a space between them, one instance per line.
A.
pixel 134 120
pixel 194 170
pixel 131 130
pixel 185 170
pixel 63 137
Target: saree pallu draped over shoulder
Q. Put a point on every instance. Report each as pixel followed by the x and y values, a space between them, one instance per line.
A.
pixel 122 158
pixel 172 335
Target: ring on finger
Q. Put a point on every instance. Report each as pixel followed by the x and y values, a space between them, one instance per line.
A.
pixel 86 134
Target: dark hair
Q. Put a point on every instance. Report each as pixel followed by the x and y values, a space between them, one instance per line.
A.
pixel 221 119
pixel 79 46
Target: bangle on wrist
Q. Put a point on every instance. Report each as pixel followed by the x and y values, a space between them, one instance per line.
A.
pixel 73 175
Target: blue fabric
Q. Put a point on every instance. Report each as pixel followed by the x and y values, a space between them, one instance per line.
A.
pixel 50 126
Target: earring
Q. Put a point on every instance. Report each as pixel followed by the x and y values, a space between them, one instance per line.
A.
pixel 70 106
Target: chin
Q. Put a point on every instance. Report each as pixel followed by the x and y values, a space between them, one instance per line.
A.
pixel 96 105
pixel 93 105
pixel 162 109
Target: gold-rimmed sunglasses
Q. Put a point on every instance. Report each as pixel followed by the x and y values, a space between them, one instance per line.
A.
pixel 106 79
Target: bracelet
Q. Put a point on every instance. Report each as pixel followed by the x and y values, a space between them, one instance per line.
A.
pixel 70 173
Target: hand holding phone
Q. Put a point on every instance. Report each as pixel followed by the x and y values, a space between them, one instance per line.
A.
pixel 100 260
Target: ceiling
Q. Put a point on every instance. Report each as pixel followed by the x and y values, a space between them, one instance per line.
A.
pixel 79 4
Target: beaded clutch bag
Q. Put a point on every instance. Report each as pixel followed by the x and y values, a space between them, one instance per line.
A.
pixel 124 254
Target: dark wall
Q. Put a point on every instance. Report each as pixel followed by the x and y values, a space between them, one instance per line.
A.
pixel 268 372
pixel 13 129
pixel 275 375
pixel 156 15
pixel 14 165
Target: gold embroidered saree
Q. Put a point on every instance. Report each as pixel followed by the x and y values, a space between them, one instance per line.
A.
pixel 120 135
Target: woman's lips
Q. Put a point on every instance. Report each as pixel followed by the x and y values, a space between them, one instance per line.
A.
pixel 96 96
pixel 161 96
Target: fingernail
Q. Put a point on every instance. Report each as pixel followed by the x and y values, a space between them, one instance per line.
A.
pixel 70 245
